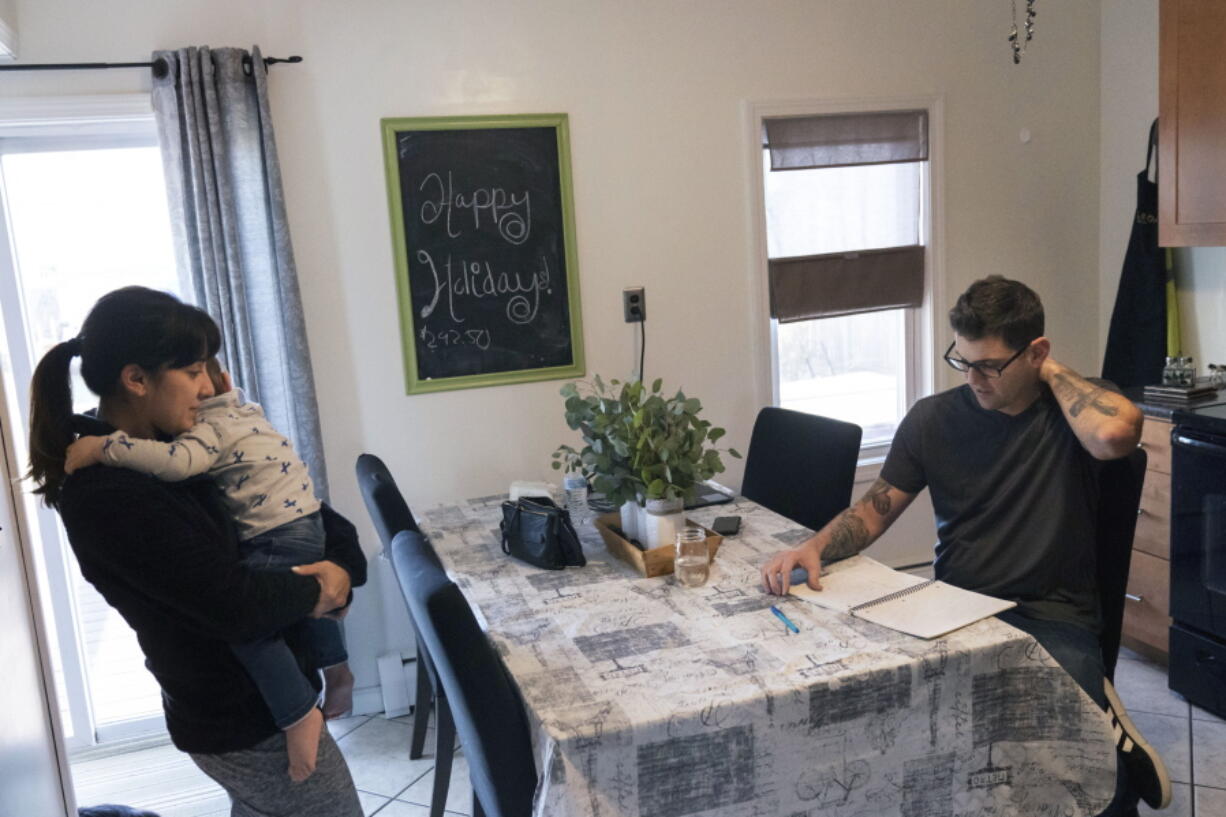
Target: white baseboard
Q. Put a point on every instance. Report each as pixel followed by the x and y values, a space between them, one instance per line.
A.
pixel 397 683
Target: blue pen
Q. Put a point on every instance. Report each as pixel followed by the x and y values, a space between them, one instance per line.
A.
pixel 785 619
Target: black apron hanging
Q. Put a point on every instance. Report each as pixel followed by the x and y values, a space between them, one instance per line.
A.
pixel 1136 342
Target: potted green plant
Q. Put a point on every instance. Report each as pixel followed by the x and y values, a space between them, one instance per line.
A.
pixel 674 452
pixel 643 447
pixel 604 416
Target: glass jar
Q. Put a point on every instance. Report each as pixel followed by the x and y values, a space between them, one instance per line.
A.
pixel 692 564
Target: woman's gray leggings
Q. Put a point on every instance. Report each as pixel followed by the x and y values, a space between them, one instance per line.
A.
pixel 258 782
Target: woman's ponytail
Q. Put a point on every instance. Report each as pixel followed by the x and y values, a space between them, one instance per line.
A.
pixel 51 419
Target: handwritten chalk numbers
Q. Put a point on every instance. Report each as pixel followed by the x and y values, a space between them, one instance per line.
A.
pixel 483 233
pixel 453 337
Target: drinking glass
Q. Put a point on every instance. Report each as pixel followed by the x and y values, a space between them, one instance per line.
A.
pixel 692 564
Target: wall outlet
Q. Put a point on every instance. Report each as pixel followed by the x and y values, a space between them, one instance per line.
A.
pixel 634 304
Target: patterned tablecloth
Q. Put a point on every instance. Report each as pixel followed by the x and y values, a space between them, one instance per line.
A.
pixel 650 698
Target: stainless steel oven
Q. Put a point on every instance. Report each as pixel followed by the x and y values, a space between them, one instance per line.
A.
pixel 1198 557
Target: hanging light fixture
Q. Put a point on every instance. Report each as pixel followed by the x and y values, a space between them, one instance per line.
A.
pixel 1018 40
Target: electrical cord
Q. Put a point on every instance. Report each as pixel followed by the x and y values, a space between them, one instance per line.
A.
pixel 642 346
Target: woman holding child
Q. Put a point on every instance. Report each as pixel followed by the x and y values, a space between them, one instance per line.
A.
pixel 165 554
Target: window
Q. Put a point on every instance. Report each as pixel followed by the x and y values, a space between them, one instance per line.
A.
pixel 846 208
pixel 84 209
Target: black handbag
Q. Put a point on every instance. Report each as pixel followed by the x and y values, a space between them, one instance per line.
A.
pixel 537 531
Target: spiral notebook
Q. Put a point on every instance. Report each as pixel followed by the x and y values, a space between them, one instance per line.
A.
pixel 926 608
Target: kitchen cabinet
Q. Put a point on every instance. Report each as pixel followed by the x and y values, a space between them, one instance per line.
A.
pixel 1147 617
pixel 1192 123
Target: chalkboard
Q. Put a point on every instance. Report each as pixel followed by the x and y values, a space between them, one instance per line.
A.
pixel 483 235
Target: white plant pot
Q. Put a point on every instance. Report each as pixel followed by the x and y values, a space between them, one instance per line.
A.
pixel 664 517
pixel 630 519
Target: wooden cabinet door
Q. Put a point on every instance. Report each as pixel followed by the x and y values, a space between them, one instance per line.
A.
pixel 1192 123
pixel 1147 620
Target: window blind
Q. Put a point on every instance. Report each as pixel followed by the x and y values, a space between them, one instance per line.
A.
pixel 824 286
pixel 840 140
pixel 846 283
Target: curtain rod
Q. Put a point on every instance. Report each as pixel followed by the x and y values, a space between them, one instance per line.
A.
pixel 159 66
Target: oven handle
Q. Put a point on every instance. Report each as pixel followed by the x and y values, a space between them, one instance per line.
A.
pixel 1206 446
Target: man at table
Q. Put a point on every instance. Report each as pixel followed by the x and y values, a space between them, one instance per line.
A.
pixel 1009 458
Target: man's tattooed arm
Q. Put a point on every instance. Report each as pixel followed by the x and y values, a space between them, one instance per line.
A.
pixel 850 531
pixel 879 496
pixel 849 536
pixel 846 535
pixel 1106 422
pixel 1078 398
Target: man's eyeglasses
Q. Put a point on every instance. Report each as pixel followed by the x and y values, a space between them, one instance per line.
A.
pixel 985 369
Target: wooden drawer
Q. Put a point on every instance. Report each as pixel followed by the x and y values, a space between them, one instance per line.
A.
pixel 1147 622
pixel 1156 440
pixel 1154 517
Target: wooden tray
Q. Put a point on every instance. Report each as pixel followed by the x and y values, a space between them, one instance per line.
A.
pixel 649 563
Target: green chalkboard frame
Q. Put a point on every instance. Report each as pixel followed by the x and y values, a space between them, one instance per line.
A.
pixel 559 122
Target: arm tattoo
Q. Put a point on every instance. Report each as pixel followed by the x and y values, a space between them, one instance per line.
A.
pixel 879 496
pixel 849 537
pixel 1079 398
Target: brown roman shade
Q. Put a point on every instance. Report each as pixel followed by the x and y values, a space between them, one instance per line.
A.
pixel 846 283
pixel 841 140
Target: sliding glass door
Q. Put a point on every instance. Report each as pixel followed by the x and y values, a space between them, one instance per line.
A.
pixel 84 212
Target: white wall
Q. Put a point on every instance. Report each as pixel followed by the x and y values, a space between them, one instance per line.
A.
pixel 29 763
pixel 1129 105
pixel 1200 274
pixel 655 90
pixel 8 28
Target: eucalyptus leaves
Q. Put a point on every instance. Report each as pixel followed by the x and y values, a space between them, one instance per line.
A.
pixel 638 444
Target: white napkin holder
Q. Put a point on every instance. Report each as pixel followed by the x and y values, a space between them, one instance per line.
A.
pixel 522 488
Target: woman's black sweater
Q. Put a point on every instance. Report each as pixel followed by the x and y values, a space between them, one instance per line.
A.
pixel 165 555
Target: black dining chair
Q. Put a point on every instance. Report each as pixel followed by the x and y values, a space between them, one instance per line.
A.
pixel 800 465
pixel 1119 498
pixel 391 515
pixel 488 710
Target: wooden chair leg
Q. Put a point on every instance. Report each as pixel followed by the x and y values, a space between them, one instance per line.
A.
pixel 444 749
pixel 421 708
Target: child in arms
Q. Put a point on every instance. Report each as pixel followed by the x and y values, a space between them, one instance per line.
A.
pixel 266 488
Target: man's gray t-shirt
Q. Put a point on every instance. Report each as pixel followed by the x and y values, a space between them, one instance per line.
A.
pixel 1015 500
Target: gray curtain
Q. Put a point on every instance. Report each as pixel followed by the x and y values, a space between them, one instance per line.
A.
pixel 231 235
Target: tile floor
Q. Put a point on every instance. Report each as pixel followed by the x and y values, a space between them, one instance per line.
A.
pixel 1192 742
pixel 166 782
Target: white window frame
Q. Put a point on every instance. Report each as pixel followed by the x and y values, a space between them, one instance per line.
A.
pixel 920 365
pixel 63 123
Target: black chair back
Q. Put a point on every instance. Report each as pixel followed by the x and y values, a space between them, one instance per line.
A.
pixel 390 515
pixel 801 466
pixel 384 502
pixel 1119 496
pixel 488 711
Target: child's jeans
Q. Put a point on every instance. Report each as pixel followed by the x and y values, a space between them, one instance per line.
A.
pixel 269 661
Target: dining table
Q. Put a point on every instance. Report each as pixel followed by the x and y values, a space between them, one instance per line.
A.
pixel 650 698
